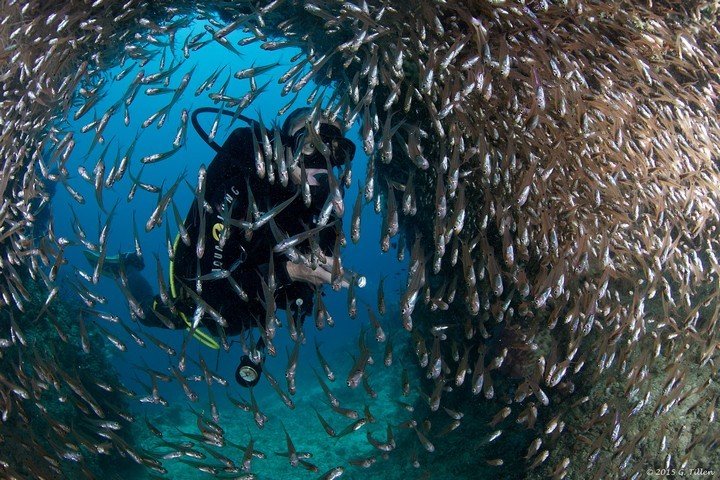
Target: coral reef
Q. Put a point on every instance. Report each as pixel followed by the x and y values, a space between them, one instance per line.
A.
pixel 63 406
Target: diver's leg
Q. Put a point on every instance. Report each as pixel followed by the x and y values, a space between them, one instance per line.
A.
pixel 132 260
pixel 111 263
pixel 139 288
pixel 156 313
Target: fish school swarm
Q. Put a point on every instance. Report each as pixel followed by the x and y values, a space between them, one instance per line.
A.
pixel 551 168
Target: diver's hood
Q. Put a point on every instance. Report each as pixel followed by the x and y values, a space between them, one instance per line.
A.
pixel 342 150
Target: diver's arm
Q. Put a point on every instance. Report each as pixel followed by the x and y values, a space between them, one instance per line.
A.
pixel 317 277
pixel 322 275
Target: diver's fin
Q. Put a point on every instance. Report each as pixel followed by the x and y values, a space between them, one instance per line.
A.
pixel 111 265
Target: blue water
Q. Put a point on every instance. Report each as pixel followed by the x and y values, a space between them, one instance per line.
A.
pixel 337 342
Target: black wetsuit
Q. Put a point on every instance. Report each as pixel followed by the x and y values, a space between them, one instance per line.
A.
pixel 228 175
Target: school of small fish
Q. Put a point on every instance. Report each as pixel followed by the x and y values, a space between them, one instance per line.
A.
pixel 550 168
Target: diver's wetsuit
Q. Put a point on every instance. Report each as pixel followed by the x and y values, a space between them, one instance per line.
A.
pixel 228 175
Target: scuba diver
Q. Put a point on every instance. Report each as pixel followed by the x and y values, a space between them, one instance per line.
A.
pixel 260 235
